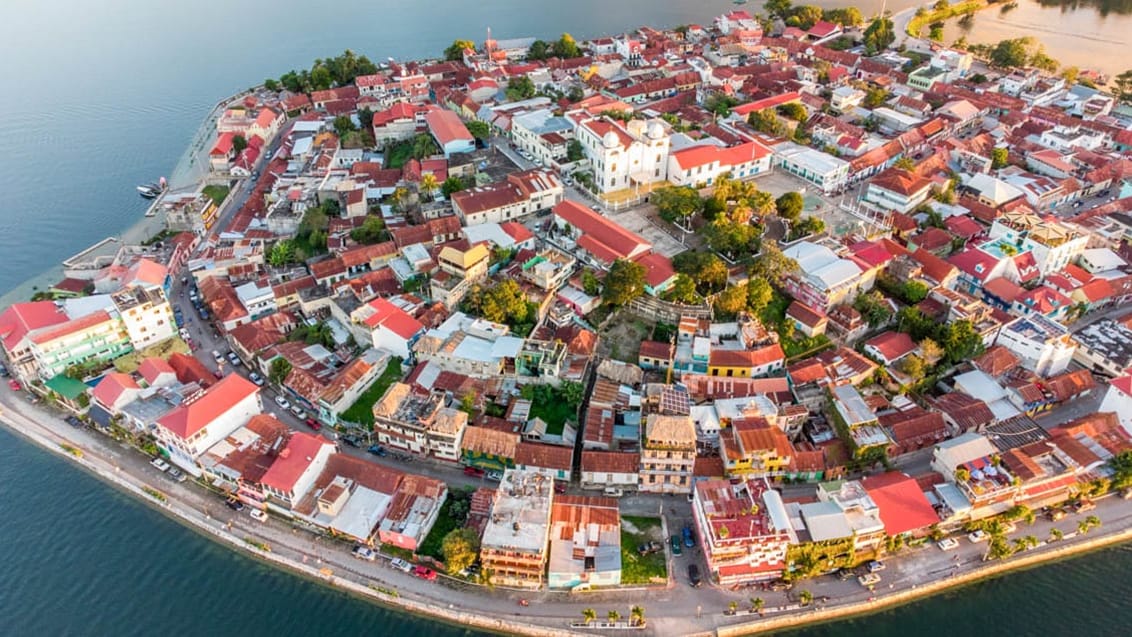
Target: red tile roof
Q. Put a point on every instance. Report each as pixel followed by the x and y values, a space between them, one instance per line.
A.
pixel 892 345
pixel 447 127
pixel 295 458
pixel 610 462
pixel 394 319
pixel 52 332
pixel 604 238
pixel 903 506
pixel 193 415
pixel 112 386
pixel 21 318
pixel 746 358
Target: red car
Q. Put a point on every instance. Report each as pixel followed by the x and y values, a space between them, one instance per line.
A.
pixel 15 385
pixel 473 472
pixel 313 424
pixel 559 487
pixel 425 573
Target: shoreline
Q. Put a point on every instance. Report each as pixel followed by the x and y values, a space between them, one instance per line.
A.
pixel 92 461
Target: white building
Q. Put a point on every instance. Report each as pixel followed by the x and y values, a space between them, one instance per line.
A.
pixel 1118 400
pixel 625 155
pixel 705 163
pixel 827 172
pixel 897 189
pixel 1043 345
pixel 1053 244
pixel 200 422
pixel 296 467
pixel 389 327
pixel 257 299
pixel 846 98
pixel 146 314
pixel 517 195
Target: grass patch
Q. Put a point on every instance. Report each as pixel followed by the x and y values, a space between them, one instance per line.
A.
pixel 451 517
pixel 397 154
pixel 803 345
pixel 775 311
pixel 361 411
pixel 397 551
pixel 555 405
pixel 216 193
pixel 128 364
pixel 637 569
pixel 555 414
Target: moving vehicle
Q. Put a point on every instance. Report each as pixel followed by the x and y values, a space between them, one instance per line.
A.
pixel 694 576
pixel 282 402
pixel 258 515
pixel 977 536
pixel 947 544
pixel 160 465
pixel 313 424
pixel 425 573
pixel 401 565
pixel 365 553
pixel 677 549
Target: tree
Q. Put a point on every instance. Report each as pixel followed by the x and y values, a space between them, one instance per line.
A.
pixel 455 51
pixel 589 615
pixel 574 151
pixel 847 17
pixel 282 253
pixel 271 85
pixel 468 404
pixel 905 163
pixel 962 341
pixel 343 125
pixel 731 300
pixel 873 308
pixel 720 104
pixel 429 185
pixel 677 203
pixel 1055 535
pixel 460 549
pixel 1123 85
pixel 590 284
pixel 875 97
pixel 371 231
pixel 683 290
pixel 778 8
pixel 772 265
pixel 794 111
pixel 480 130
pixel 879 35
pixel 732 239
pixel 624 282
pixel 423 146
pixel 278 371
pixel 805 16
pixel 705 269
pixel 757 604
pixel 807 226
pixel 913 366
pixel 765 121
pixel 789 205
pixel 1000 157
pixel 614 616
pixel 452 185
pixel 399 198
pixel 566 47
pixel 912 292
pixel 941 5
pixel 931 351
pixel 805 597
pixel 520 88
pixel 239 143
pixel 759 295
pixel 572 392
pixel 503 302
pixel 1121 465
pixel 365 117
pixel 321 78
pixel 1011 52
pixel 539 50
pixel 637 615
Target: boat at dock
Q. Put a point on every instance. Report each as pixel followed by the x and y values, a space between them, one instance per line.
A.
pixel 151 191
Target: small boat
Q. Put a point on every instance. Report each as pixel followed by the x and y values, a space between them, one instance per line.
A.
pixel 147 192
pixel 739 1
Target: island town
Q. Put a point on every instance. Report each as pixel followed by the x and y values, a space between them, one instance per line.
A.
pixel 675 330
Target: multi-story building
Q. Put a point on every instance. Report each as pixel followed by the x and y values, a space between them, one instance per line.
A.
pixel 518 195
pixel 897 189
pixel 459 271
pixel 972 463
pixel 542 134
pixel 701 165
pixel 1043 345
pixel 755 448
pixel 295 468
pixel 668 454
pixel 585 542
pixel 414 510
pixel 744 530
pixel 203 420
pixel 741 363
pixel 420 424
pixel 1104 346
pixel 825 171
pixel 1052 244
pixel 91 340
pixel 824 279
pixel 386 326
pixel 514 544
pixel 549 269
pixel 624 156
pixel 860 423
pixel 146 315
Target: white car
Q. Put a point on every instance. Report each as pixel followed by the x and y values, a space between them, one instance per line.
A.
pixel 256 378
pixel 159 464
pixel 948 544
pixel 257 514
pixel 282 402
pixel 401 565
pixel 869 579
pixel 977 536
pixel 235 360
pixel 298 411
pixel 365 553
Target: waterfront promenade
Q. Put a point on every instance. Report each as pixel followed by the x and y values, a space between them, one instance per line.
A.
pixel 675 609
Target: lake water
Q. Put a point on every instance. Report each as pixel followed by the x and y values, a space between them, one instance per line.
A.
pixel 103 96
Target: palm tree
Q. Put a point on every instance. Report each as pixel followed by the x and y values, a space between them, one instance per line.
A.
pixel 637 615
pixel 805 597
pixel 614 616
pixel 1055 535
pixel 733 606
pixel 429 185
pixel 589 615
pixel 1093 521
pixel 399 196
pixel 1083 527
pixel 757 604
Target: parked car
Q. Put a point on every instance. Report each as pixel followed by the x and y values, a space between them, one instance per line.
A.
pixel 780 585
pixel 217 357
pixel 613 492
pixel 234 504
pixel 425 573
pixel 869 579
pixel 256 378
pixel 74 421
pixel 694 576
pixel 559 487
pixel 365 553
pixel 15 385
pixel 1086 505
pixel 689 539
pixel 160 465
pixel 176 475
pixel 376 450
pixel 494 476
pixel 313 424
pixel 1056 514
pixel 184 334
pixel 401 565
pixel 845 574
pixel 875 566
pixel 977 536
pixel 298 411
pixel 235 360
pixel 677 548
pixel 353 441
pixel 4 373
pixel 474 472
pixel 258 515
pixel 282 402
pixel 947 544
